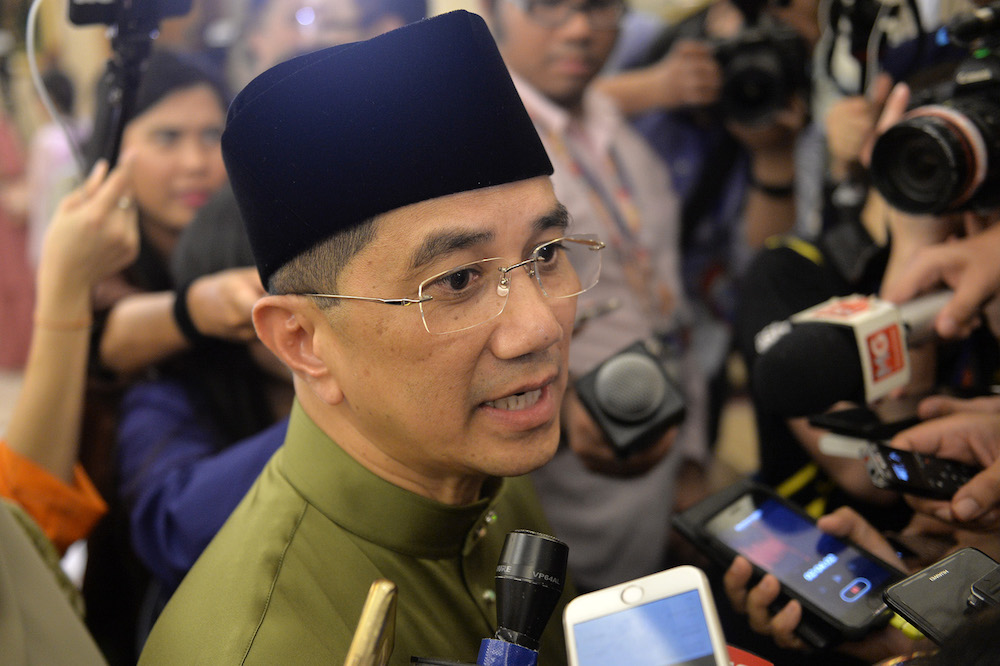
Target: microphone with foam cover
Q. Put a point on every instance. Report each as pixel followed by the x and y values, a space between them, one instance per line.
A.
pixel 632 399
pixel 808 370
pixel 839 350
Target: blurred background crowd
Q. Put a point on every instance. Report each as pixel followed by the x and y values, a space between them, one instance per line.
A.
pixel 744 191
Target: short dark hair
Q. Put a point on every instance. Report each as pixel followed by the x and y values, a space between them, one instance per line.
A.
pixel 316 270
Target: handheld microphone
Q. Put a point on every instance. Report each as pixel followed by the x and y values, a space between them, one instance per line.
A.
pixel 632 399
pixel 530 577
pixel 851 348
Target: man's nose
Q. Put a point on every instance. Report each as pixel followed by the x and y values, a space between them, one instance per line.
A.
pixel 528 322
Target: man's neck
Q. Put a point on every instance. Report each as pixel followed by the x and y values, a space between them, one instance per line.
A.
pixel 454 490
pixel 574 107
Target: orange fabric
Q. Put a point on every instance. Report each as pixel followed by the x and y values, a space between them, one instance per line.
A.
pixel 65 512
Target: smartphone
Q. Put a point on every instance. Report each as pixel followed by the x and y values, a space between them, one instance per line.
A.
pixel 986 590
pixel 936 599
pixel 885 418
pixel 838 583
pixel 880 421
pixel 915 473
pixel 665 619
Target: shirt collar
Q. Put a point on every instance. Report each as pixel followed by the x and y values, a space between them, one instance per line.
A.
pixel 370 507
pixel 600 120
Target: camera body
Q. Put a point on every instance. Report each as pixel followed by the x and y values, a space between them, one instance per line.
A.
pixel 762 67
pixel 944 156
pixel 144 14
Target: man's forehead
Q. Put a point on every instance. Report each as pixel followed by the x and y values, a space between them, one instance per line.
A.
pixel 515 212
pixel 446 241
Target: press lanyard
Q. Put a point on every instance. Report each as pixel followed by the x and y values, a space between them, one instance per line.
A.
pixel 620 216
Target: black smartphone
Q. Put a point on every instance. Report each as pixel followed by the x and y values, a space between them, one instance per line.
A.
pixel 986 590
pixel 936 599
pixel 915 473
pixel 879 421
pixel 838 583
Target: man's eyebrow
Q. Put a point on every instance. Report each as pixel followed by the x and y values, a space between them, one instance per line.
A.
pixel 451 241
pixel 446 242
pixel 557 218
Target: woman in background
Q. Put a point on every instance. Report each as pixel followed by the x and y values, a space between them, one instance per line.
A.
pixel 17 293
pixel 172 142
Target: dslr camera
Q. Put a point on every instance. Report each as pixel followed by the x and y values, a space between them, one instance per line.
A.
pixel 144 14
pixel 944 155
pixel 763 66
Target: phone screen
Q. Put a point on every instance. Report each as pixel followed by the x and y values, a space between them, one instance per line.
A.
pixel 671 631
pixel 830 574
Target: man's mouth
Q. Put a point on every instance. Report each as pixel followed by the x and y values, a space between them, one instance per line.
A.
pixel 517 401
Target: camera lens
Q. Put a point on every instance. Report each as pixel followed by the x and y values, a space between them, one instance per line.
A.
pixel 931 162
pixel 754 86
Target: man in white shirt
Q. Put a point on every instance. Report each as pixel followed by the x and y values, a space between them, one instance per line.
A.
pixel 613 512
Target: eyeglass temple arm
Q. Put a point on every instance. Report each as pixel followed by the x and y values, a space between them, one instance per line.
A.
pixel 387 301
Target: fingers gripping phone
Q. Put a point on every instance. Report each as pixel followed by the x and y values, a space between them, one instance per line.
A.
pixel 665 619
pixel 838 583
pixel 916 473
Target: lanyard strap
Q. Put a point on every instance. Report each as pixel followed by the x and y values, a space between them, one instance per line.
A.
pixel 622 220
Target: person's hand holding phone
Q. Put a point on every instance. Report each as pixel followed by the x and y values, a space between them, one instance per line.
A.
pixel 968 437
pixel 758 602
pixel 934 406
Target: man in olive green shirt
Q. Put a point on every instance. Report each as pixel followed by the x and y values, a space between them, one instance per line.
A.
pixel 422 291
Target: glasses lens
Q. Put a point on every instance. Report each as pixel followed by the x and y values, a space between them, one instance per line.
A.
pixel 568 266
pixel 462 297
pixel 603 14
pixel 474 293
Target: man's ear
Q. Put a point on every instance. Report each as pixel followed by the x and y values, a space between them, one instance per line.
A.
pixel 292 327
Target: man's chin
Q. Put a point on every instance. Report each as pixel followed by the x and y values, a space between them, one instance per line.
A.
pixel 530 456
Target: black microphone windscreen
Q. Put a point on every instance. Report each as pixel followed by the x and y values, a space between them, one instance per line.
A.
pixel 812 367
pixel 530 577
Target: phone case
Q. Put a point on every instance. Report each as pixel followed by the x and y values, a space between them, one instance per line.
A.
pixel 668 617
pixel 818 627
pixel 935 600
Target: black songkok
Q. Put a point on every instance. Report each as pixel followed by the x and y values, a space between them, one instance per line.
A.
pixel 331 139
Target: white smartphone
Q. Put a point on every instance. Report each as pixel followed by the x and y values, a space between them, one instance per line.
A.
pixel 665 619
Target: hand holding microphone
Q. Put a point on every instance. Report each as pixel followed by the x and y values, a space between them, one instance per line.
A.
pixel 632 405
pixel 971 266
